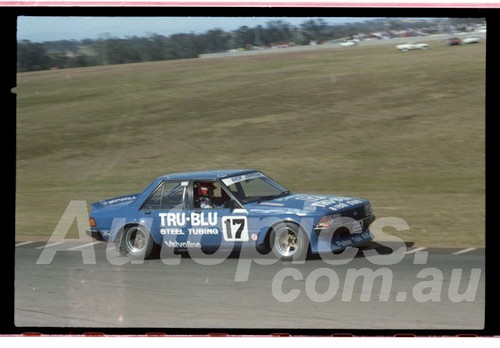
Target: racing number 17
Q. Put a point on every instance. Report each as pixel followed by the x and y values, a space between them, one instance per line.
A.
pixel 235 228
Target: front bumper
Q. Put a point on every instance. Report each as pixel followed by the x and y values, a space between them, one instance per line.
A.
pixel 326 242
pixel 367 221
pixel 340 236
pixel 360 225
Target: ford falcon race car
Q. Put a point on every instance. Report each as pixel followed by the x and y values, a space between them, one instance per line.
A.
pixel 246 209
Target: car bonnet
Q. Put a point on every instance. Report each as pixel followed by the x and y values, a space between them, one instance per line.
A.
pixel 310 203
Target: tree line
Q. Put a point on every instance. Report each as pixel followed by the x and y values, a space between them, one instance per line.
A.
pixel 106 50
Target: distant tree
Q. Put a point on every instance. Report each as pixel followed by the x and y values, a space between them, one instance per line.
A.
pixel 315 29
pixel 179 46
pixel 100 47
pixel 76 61
pixel 31 56
pixel 217 40
pixel 243 37
pixel 58 59
pixel 276 31
pixel 153 48
pixel 119 52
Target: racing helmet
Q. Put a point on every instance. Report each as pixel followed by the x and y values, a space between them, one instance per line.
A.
pixel 205 189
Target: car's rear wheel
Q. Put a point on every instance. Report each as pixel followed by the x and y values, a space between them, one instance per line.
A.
pixel 137 242
pixel 289 242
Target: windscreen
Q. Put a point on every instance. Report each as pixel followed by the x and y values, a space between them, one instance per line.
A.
pixel 254 187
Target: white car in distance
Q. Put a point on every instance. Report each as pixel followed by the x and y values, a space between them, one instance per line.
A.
pixel 349 43
pixel 412 46
pixel 469 40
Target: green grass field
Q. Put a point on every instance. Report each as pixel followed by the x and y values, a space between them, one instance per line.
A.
pixel 404 130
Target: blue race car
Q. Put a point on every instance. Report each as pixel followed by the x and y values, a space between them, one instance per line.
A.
pixel 228 209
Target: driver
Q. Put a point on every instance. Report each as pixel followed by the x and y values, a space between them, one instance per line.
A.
pixel 205 195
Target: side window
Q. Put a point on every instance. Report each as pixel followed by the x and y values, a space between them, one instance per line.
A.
pixel 214 197
pixel 175 199
pixel 168 195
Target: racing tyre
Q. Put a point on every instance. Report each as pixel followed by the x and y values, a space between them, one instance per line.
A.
pixel 137 242
pixel 289 242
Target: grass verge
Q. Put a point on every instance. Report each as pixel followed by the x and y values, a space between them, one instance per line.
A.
pixel 404 130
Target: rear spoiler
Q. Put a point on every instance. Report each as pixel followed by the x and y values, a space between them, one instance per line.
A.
pixel 113 201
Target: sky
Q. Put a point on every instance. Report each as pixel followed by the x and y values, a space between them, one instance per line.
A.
pixel 39 29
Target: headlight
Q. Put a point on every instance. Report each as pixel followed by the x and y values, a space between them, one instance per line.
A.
pixel 368 209
pixel 329 221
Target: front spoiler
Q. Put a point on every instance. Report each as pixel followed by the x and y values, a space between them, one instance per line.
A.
pixel 97 235
pixel 327 243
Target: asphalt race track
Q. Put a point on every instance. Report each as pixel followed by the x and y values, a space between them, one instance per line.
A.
pixel 407 288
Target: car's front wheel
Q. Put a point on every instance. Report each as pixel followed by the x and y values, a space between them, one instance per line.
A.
pixel 289 242
pixel 137 242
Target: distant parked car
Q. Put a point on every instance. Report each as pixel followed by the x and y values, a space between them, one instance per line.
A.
pixel 469 40
pixel 412 46
pixel 452 41
pixel 349 43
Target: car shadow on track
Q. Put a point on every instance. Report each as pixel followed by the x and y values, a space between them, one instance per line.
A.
pixel 382 249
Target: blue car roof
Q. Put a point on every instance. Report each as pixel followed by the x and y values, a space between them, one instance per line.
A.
pixel 206 174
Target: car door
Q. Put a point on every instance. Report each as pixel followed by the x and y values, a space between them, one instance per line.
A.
pixel 164 213
pixel 219 227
